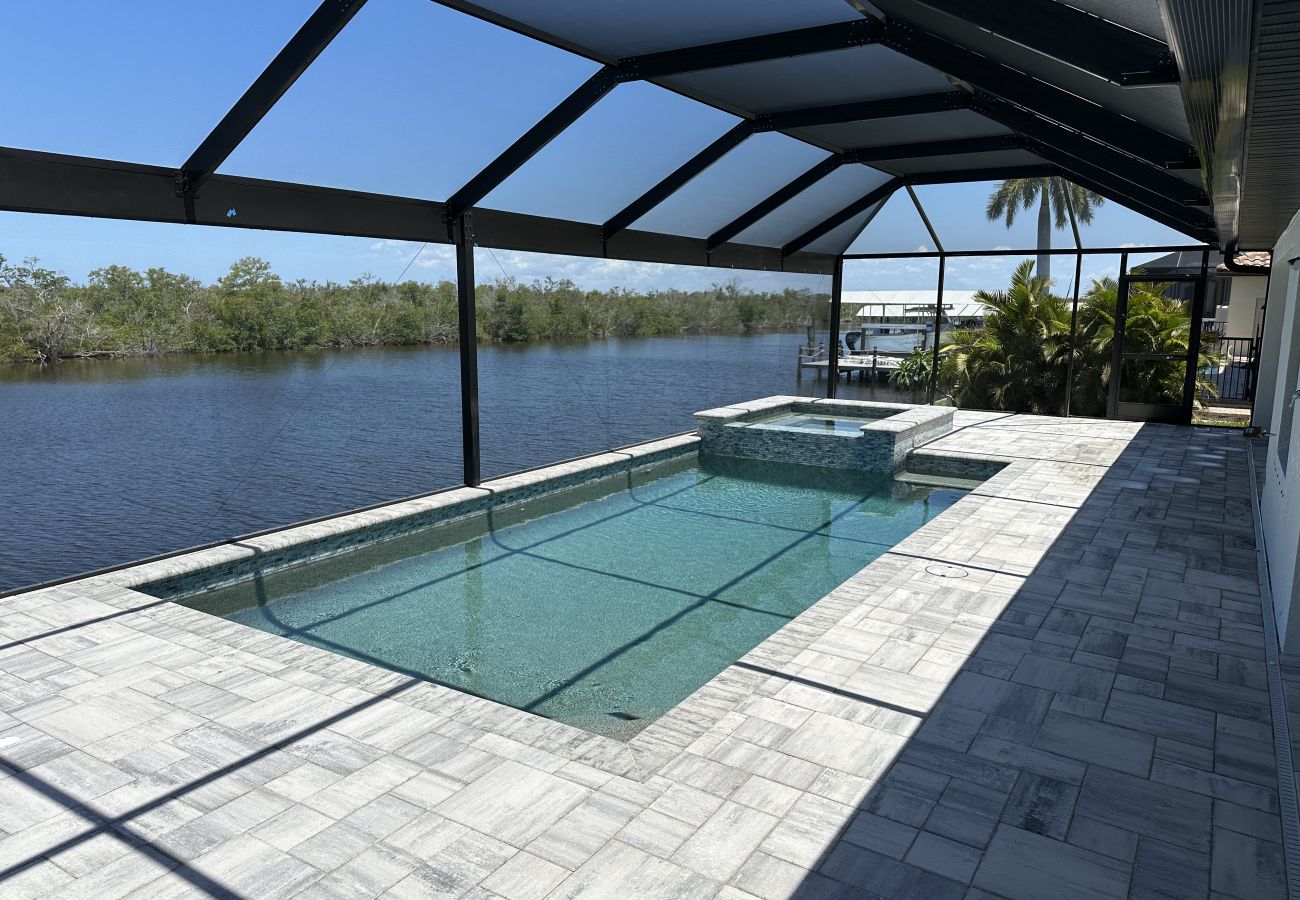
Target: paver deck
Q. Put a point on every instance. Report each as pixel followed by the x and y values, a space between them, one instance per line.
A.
pixel 1055 689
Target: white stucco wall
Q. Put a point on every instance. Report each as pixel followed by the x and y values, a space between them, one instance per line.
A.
pixel 1277 412
pixel 1245 297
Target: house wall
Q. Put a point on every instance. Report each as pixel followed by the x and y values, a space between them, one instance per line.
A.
pixel 1279 413
pixel 1245 298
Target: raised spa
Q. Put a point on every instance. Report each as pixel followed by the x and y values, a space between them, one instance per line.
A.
pixel 601 606
pixel 862 436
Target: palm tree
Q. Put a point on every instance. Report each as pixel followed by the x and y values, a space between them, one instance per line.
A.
pixel 1016 360
pixel 1054 196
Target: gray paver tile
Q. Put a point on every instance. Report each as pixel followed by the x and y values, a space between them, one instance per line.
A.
pixel 1041 804
pixel 1096 742
pixel 880 875
pixel 725 841
pixel 1026 866
pixel 525 877
pixel 944 857
pixel 1165 871
pixel 513 802
pixel 619 871
pixel 656 832
pixel 1247 867
pixel 1146 807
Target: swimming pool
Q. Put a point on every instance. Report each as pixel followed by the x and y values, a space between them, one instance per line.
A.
pixel 602 607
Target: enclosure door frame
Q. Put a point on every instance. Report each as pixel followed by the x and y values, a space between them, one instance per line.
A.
pixel 1169 413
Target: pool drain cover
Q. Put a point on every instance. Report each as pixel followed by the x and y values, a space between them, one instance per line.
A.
pixel 943 571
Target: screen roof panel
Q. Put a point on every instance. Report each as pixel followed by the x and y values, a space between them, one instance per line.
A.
pixel 1159 106
pixel 897 228
pixel 838 239
pixel 820 79
pixel 732 185
pixel 959 215
pixel 618 150
pixel 814 206
pixel 377 92
pixel 619 28
pixel 155 93
pixel 940 126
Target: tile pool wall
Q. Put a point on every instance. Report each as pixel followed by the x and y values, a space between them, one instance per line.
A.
pixel 881 445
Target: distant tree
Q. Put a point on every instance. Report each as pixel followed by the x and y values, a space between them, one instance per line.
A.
pixel 41 317
pixel 1054 197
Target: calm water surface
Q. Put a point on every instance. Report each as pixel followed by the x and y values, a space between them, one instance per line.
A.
pixel 107 461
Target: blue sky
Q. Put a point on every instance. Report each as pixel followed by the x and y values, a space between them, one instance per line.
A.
pixel 412 98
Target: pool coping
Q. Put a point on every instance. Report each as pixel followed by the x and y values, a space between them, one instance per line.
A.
pixel 701 716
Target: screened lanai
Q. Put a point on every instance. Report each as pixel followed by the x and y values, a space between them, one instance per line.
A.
pixel 1026 646
pixel 801 134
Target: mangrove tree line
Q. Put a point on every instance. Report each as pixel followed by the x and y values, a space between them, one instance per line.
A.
pixel 118 311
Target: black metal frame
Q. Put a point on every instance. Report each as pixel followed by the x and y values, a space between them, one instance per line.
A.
pixel 301 51
pixel 1074 36
pixel 1078 252
pixel 1175 414
pixel 1099 149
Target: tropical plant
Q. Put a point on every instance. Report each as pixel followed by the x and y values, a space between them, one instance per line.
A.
pixel 1055 197
pixel 1017 359
pixel 913 372
pixel 1157 324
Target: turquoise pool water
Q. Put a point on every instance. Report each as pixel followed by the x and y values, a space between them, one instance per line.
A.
pixel 608 611
pixel 810 422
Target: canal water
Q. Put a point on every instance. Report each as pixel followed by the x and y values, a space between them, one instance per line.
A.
pixel 107 461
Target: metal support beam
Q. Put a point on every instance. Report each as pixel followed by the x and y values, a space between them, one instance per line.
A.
pixel 924 149
pixel 56 184
pixel 799 42
pixel 303 48
pixel 925 220
pixel 938 329
pixel 678 179
pixel 1076 37
pixel 463 234
pixel 863 111
pixel 833 330
pixel 1074 112
pixel 715 151
pixel 997 173
pixel 861 205
pixel 832 342
pixel 769 205
pixel 533 140
pixel 1079 146
pixel 1141 199
pixel 1074 331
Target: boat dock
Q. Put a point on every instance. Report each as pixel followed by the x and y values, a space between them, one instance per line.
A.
pixel 871 366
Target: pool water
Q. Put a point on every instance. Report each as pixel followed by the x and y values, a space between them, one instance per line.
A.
pixel 822 423
pixel 606 613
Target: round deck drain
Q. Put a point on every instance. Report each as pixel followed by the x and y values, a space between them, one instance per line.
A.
pixel 943 571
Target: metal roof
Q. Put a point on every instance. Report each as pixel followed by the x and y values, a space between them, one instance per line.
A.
pixel 891 93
